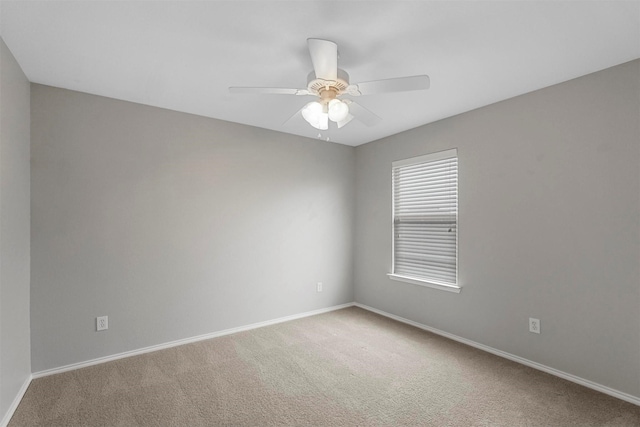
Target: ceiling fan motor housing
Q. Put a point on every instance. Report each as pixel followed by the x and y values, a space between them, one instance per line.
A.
pixel 328 89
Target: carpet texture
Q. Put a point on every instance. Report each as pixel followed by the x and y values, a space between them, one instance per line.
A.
pixel 349 367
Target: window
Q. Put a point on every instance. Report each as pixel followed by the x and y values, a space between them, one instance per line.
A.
pixel 425 220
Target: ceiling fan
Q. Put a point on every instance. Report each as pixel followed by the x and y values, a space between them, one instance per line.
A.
pixel 329 83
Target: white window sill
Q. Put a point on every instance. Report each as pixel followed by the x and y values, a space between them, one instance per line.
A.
pixel 428 284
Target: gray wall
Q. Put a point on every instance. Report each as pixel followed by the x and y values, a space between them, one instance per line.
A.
pixel 549 223
pixel 15 367
pixel 176 225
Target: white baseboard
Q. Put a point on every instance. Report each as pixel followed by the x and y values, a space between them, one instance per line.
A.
pixel 590 384
pixel 112 357
pixel 16 402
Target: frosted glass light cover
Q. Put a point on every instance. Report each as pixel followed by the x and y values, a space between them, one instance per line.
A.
pixel 313 114
pixel 338 110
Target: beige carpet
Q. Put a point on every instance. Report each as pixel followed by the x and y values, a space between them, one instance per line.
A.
pixel 345 368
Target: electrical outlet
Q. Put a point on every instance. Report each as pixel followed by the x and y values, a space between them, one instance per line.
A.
pixel 534 325
pixel 319 287
pixel 102 323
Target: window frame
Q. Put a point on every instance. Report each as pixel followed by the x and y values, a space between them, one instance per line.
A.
pixel 427 282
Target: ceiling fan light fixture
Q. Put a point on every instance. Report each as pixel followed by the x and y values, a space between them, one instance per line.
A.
pixel 323 122
pixel 314 114
pixel 338 110
pixel 345 121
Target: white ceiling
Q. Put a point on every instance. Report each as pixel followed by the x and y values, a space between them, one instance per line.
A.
pixel 183 55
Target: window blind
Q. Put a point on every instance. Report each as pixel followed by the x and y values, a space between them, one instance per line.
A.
pixel 425 217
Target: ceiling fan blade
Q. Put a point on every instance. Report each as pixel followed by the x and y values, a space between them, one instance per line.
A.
pixel 298 113
pixel 324 55
pixel 269 90
pixel 362 114
pixel 399 84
